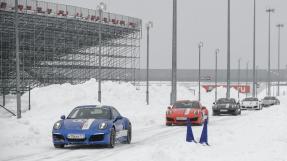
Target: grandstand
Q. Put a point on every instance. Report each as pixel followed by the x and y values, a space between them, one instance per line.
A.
pixel 60 44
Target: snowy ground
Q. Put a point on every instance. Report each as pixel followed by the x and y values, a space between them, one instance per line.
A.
pixel 253 136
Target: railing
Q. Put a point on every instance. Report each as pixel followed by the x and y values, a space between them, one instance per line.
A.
pixel 67 11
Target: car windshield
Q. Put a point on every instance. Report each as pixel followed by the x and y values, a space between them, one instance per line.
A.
pixel 269 98
pixel 250 99
pixel 90 113
pixel 188 104
pixel 225 101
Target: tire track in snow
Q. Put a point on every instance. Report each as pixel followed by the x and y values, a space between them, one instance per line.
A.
pixel 149 135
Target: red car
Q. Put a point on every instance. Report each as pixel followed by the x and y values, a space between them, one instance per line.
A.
pixel 180 111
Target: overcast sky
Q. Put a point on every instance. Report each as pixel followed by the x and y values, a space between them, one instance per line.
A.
pixel 204 20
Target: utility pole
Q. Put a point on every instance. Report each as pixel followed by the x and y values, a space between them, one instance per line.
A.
pixel 228 52
pixel 102 7
pixel 174 55
pixel 238 83
pixel 256 80
pixel 254 51
pixel 247 73
pixel 17 61
pixel 148 26
pixel 279 43
pixel 269 11
pixel 215 80
pixel 200 45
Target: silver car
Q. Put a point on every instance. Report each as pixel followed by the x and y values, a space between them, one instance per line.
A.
pixel 270 101
pixel 251 103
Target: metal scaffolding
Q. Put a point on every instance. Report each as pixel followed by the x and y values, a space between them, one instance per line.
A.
pixel 60 44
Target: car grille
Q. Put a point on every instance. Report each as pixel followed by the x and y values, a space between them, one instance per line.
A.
pixel 222 106
pixel 99 137
pixel 58 137
pixel 76 140
pixel 169 119
pixel 194 119
pixel 184 121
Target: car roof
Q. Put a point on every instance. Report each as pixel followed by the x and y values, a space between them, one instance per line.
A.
pixel 186 101
pixel 93 106
pixel 250 98
pixel 226 99
pixel 270 97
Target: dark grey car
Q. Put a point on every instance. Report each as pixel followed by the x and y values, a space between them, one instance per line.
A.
pixel 270 101
pixel 226 106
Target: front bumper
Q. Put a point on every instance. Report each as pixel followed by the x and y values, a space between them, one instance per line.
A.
pixel 176 121
pixel 225 110
pixel 91 137
pixel 267 104
pixel 250 106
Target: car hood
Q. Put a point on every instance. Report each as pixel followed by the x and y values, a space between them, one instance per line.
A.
pixel 225 105
pixel 82 124
pixel 183 111
pixel 247 102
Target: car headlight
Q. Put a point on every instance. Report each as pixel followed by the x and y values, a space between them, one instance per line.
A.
pixel 57 125
pixel 169 112
pixel 195 112
pixel 103 126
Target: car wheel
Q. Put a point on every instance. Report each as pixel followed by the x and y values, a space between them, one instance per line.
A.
pixel 202 120
pixel 236 112
pixel 112 138
pixel 129 135
pixel 59 146
pixel 168 124
pixel 214 113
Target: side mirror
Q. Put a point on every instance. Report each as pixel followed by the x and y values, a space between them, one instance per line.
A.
pixel 169 108
pixel 214 103
pixel 63 117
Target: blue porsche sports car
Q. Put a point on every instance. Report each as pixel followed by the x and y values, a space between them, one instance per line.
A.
pixel 90 125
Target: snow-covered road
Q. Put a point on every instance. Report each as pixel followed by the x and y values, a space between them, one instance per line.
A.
pixel 255 135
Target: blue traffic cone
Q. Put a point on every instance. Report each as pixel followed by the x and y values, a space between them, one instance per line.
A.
pixel 189 133
pixel 203 137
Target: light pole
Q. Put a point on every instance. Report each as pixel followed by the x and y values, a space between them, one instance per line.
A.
pixel 228 51
pixel 200 45
pixel 269 11
pixel 247 72
pixel 254 52
pixel 148 26
pixel 174 54
pixel 279 41
pixel 216 54
pixel 238 83
pixel 17 62
pixel 101 7
pixel 256 81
